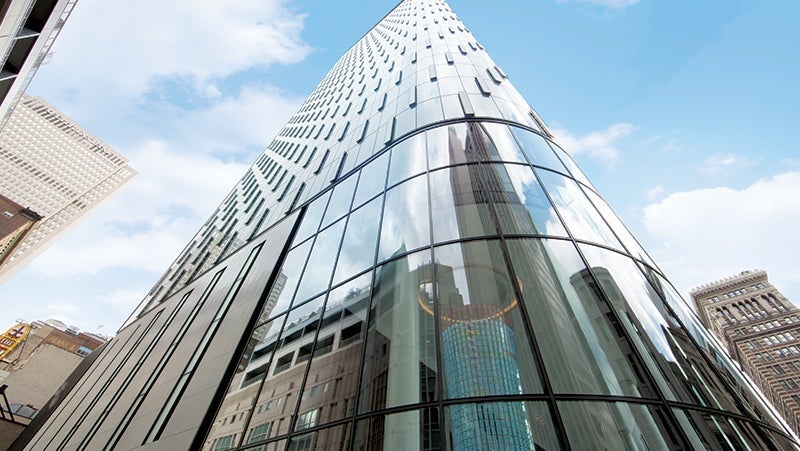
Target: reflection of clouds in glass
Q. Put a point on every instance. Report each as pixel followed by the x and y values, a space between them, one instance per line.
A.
pixel 566 262
pixel 358 246
pixel 581 218
pixel 320 262
pixel 636 294
pixel 405 217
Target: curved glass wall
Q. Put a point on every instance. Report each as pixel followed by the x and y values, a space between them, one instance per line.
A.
pixel 464 290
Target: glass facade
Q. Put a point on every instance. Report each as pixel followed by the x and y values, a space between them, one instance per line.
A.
pixel 446 278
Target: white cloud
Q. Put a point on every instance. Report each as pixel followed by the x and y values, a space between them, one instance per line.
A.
pixel 611 4
pixel 600 144
pixel 150 221
pixel 655 192
pixel 717 163
pixel 704 235
pixel 134 42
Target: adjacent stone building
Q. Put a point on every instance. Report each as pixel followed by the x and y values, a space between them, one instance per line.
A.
pixel 761 329
pixel 37 367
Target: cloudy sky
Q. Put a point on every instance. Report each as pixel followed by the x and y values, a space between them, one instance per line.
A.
pixel 682 113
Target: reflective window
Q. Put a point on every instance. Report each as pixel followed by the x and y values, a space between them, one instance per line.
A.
pixel 336 437
pixel 675 362
pixel 408 159
pixel 521 205
pixel 320 262
pixel 413 430
pixel 405 218
pixel 485 348
pixel 340 200
pixel 400 359
pixel 581 342
pixel 502 146
pixel 580 217
pixel 618 425
pixel 537 150
pixel 310 223
pixel 360 238
pixel 619 229
pixel 330 388
pixel 458 204
pixel 500 426
pixel 570 164
pixel 372 180
pixel 705 430
pixel 452 144
pixel 282 291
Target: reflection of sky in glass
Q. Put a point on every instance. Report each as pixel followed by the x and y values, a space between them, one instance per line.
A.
pixel 531 195
pixel 637 293
pixel 621 231
pixel 566 262
pixel 408 158
pixel 320 262
pixel 405 218
pixel 581 218
pixel 358 246
pixel 505 144
pixel 291 269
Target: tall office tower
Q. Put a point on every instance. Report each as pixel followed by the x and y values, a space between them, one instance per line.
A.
pixel 413 263
pixel 27 31
pixel 761 329
pixel 55 168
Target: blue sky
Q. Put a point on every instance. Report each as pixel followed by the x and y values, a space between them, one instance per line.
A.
pixel 682 113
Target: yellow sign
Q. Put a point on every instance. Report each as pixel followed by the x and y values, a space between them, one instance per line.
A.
pixel 14 336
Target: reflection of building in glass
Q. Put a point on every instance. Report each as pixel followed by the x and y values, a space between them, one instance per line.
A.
pixel 413 263
pixel 760 329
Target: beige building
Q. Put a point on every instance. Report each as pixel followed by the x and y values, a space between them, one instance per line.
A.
pixel 761 330
pixel 53 166
pixel 38 366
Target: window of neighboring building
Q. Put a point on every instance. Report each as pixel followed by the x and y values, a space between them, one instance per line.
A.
pixel 307 420
pixel 260 432
pixel 224 443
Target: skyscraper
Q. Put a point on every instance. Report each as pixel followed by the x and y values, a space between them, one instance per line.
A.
pixel 54 167
pixel 413 263
pixel 28 29
pixel 761 329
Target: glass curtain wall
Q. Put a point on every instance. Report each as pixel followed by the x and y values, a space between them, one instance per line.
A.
pixel 467 289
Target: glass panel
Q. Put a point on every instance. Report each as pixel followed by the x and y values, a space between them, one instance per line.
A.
pixel 485 349
pixel 372 180
pixel 405 218
pixel 337 437
pixel 581 342
pixel 331 385
pixel 715 355
pixel 621 231
pixel 235 410
pixel 452 144
pixel 581 218
pixel 458 204
pixel 360 238
pixel 400 359
pixel 408 159
pixel 537 150
pixel 618 426
pixel 320 263
pixel 500 426
pixel 282 291
pixel 570 164
pixel 502 146
pixel 675 362
pixel 278 398
pixel 520 202
pixel 707 431
pixel 340 200
pixel 310 223
pixel 408 431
